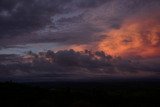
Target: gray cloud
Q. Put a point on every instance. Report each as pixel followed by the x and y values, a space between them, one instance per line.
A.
pixel 18 17
pixel 72 64
pixel 66 21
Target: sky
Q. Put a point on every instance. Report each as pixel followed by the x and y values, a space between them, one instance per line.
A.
pixel 111 38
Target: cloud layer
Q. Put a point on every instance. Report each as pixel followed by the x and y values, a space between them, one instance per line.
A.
pixel 67 22
pixel 70 64
pixel 126 28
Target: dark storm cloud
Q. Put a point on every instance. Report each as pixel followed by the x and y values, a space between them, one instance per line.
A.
pixel 22 16
pixel 67 63
pixel 19 18
pixel 72 64
pixel 65 21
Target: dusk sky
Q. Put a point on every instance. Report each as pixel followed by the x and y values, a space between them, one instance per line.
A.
pixel 49 40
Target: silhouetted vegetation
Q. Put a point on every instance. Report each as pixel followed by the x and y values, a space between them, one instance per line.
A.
pixel 80 94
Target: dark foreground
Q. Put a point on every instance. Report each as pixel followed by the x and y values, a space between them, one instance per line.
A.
pixel 81 94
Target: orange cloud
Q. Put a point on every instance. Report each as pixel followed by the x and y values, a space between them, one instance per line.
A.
pixel 135 37
pixel 78 47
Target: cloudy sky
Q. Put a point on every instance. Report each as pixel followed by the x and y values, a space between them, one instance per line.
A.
pixel 129 29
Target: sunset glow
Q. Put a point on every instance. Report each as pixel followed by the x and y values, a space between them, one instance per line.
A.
pixel 135 37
